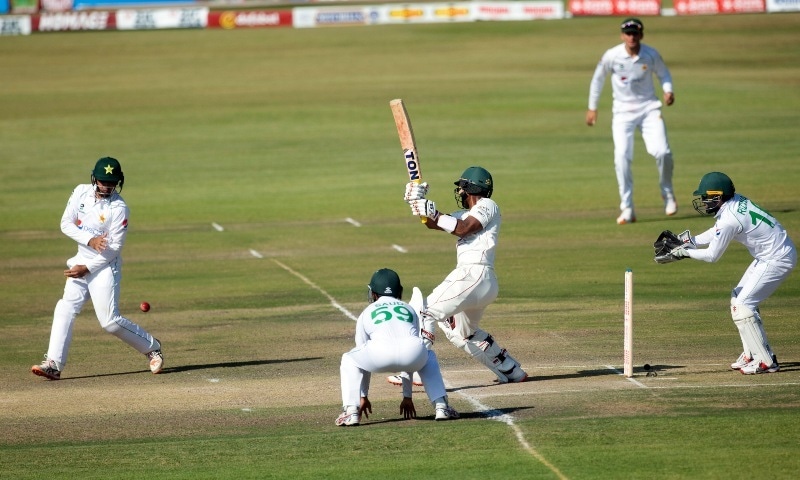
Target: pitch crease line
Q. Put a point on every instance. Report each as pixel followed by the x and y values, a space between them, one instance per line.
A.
pixel 633 381
pixel 493 413
pixel 313 285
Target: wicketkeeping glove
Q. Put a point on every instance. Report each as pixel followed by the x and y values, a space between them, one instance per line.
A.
pixel 415 191
pixel 669 247
pixel 424 208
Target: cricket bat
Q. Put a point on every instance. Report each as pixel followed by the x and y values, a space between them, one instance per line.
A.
pixel 407 142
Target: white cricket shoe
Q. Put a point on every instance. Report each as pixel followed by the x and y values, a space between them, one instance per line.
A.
pixel 156 359
pixel 670 206
pixel 348 418
pixel 741 361
pixel 47 369
pixel 756 366
pixel 397 380
pixel 627 216
pixel 518 375
pixel 446 412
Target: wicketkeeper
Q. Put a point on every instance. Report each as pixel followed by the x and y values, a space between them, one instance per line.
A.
pixel 774 253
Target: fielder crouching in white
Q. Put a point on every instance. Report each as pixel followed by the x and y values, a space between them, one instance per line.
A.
pixel 774 254
pixel 96 217
pixel 388 340
pixel 458 303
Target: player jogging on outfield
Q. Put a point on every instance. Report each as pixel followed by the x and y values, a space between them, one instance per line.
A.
pixel 774 254
pixel 96 217
pixel 632 65
pixel 388 340
pixel 458 303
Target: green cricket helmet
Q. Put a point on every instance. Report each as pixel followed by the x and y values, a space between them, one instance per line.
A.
pixel 385 283
pixel 715 189
pixel 474 181
pixel 109 171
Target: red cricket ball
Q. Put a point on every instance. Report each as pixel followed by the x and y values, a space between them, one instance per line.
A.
pixel 145 306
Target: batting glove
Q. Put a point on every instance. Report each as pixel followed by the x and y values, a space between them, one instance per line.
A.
pixel 415 191
pixel 424 208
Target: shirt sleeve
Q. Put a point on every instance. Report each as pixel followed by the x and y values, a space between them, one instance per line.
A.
pixel 597 83
pixel 720 237
pixel 662 72
pixel 69 220
pixel 361 333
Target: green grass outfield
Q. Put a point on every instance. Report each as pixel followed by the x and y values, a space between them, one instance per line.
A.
pixel 281 135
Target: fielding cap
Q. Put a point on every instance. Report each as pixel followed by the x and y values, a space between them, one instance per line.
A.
pixel 632 25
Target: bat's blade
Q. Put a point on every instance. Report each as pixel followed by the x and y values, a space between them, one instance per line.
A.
pixel 403 123
pixel 407 142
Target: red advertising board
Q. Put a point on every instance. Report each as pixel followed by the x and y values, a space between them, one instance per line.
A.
pixel 73 21
pixel 707 7
pixel 615 7
pixel 250 19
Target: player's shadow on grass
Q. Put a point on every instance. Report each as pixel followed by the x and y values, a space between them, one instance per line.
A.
pixel 599 372
pixel 789 366
pixel 203 366
pixel 490 414
pixel 248 363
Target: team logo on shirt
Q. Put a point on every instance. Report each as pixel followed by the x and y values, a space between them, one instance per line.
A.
pixel 125 223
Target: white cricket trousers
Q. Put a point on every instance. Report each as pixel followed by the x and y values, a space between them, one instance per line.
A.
pixel 103 287
pixel 761 279
pixel 654 135
pixel 464 294
pixel 398 355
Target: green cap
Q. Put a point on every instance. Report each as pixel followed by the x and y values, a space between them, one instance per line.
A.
pixel 386 283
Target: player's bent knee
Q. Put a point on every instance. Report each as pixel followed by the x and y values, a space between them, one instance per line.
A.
pixel 740 311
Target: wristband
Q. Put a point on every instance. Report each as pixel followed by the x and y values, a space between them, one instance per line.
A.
pixel 447 223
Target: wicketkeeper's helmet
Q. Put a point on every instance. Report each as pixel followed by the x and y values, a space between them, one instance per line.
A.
pixel 385 283
pixel 715 189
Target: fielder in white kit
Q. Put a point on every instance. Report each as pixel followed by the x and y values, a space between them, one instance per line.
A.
pixel 96 217
pixel 774 254
pixel 388 340
pixel 632 66
pixel 458 303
